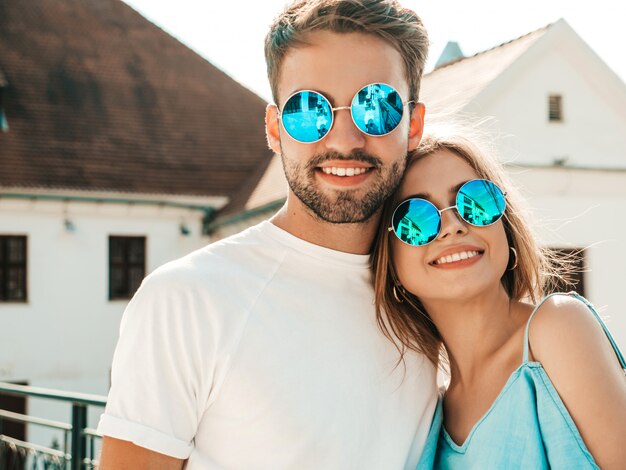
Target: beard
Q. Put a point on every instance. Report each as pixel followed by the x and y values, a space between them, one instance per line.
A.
pixel 343 206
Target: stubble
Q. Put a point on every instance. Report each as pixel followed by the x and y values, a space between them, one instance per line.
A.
pixel 343 206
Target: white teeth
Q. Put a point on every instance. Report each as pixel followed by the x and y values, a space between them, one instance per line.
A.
pixel 343 171
pixel 456 257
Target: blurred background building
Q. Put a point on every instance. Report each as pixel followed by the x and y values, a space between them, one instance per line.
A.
pixel 118 145
pixel 121 149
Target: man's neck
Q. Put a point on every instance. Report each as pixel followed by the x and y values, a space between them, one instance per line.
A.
pixel 299 221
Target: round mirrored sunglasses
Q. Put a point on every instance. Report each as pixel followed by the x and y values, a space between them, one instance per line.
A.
pixel 417 221
pixel 376 109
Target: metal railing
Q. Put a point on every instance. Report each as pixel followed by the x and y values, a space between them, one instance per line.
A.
pixel 78 450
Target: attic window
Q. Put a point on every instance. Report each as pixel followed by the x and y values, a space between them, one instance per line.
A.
pixel 555 108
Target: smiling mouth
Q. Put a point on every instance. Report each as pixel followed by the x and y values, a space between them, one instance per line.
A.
pixel 341 171
pixel 454 257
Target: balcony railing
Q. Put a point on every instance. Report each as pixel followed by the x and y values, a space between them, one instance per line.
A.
pixel 78 449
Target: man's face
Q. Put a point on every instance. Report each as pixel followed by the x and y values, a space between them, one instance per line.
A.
pixel 346 176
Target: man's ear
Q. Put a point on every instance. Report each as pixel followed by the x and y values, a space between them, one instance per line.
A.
pixel 272 128
pixel 416 129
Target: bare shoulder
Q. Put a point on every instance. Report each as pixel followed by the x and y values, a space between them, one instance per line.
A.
pixel 564 325
pixel 576 354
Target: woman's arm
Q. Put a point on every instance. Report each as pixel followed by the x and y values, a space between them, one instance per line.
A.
pixel 577 356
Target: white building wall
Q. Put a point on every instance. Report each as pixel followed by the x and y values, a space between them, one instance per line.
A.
pixel 572 208
pixel 63 337
pixel 581 209
pixel 592 132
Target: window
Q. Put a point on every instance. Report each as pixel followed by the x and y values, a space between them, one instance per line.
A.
pixel 4 124
pixel 127 266
pixel 555 108
pixel 576 278
pixel 12 268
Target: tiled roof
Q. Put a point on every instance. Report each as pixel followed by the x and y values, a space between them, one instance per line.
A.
pixel 99 98
pixel 452 86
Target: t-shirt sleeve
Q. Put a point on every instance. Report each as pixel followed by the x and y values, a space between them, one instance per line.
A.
pixel 163 367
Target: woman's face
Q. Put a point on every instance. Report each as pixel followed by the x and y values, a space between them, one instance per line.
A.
pixel 427 271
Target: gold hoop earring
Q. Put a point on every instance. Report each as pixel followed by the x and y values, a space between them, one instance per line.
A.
pixel 514 251
pixel 395 294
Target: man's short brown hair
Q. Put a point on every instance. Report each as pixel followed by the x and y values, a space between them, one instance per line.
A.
pixel 387 19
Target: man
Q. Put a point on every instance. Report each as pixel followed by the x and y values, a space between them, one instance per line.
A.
pixel 263 350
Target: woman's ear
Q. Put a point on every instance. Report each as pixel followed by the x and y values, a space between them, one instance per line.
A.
pixel 416 129
pixel 272 128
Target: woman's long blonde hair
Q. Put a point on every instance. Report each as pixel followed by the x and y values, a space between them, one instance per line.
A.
pixel 400 314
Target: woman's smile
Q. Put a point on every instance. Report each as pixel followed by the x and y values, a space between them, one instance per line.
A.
pixel 457 257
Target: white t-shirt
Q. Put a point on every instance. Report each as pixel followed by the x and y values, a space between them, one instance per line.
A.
pixel 262 351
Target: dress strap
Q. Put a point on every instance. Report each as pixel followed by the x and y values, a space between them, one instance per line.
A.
pixel 525 356
pixel 618 353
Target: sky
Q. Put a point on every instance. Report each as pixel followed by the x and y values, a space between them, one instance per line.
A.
pixel 230 33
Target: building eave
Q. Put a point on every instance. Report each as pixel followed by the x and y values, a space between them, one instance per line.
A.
pixel 182 200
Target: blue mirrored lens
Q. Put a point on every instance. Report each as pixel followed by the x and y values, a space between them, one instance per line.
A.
pixel 307 116
pixel 480 202
pixel 377 109
pixel 416 222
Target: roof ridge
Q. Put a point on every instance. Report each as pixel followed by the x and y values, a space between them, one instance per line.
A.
pixel 461 59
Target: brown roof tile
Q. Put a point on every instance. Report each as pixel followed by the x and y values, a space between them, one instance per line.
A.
pixel 99 98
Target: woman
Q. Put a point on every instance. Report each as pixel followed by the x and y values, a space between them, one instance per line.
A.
pixel 456 266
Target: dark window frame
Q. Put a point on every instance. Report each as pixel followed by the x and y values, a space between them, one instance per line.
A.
pixel 555 108
pixel 6 266
pixel 125 266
